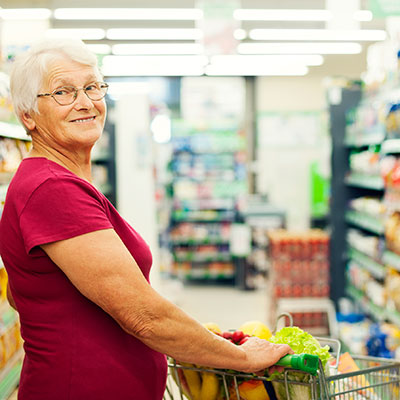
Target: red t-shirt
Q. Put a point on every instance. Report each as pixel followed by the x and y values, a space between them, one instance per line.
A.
pixel 73 349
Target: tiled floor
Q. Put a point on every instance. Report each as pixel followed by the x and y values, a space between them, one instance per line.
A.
pixel 224 305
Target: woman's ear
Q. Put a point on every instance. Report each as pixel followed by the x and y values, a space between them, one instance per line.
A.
pixel 28 121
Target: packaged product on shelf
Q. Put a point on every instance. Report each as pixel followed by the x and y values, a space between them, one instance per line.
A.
pixel 369 205
pixel 300 269
pixel 370 245
pixel 365 162
pixel 355 335
pixel 392 232
pixel 357 276
pixel 392 290
pixel 207 179
pixel 393 121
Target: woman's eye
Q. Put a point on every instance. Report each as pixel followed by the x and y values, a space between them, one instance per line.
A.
pixel 91 87
pixel 63 92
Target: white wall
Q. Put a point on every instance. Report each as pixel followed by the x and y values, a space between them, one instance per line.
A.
pixel 134 170
pixel 283 171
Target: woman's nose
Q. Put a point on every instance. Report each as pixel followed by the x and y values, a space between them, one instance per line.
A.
pixel 82 100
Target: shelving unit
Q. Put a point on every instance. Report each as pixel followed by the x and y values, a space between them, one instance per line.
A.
pixel 103 158
pixel 365 181
pixel 365 221
pixel 376 268
pixel 340 191
pixel 361 272
pixel 14 145
pixel 208 176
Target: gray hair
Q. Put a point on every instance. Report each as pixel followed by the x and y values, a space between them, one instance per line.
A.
pixel 30 68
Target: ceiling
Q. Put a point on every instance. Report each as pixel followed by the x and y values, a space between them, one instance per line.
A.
pixel 339 65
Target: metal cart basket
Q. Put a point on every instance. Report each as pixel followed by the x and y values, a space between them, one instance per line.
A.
pixel 377 379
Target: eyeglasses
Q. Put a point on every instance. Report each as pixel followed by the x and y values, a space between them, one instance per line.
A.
pixel 66 95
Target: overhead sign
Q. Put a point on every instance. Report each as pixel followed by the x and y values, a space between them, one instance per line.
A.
pixel 384 8
pixel 218 26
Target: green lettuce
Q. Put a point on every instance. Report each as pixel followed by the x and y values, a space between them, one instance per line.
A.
pixel 301 342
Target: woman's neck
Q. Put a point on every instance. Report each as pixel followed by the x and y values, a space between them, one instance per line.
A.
pixel 77 163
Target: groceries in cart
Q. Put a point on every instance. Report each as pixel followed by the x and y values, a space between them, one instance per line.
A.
pixel 200 383
pixel 315 372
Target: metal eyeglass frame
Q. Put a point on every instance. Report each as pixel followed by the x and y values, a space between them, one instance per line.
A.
pixel 52 94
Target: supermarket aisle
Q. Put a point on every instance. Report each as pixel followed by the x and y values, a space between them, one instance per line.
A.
pixel 224 305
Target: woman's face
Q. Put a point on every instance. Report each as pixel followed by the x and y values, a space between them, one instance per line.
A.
pixel 75 126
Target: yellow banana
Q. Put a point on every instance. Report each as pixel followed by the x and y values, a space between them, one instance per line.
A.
pixel 193 381
pixel 210 387
pixel 180 380
pixel 188 380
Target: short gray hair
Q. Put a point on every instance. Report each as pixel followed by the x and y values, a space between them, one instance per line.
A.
pixel 30 68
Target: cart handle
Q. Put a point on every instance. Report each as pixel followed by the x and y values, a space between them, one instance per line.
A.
pixel 304 362
pixel 282 315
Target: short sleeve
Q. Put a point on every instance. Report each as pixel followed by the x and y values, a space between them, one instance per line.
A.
pixel 61 208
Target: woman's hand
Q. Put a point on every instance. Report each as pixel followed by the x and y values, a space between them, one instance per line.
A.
pixel 262 354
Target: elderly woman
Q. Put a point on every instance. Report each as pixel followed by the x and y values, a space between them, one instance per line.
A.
pixel 93 326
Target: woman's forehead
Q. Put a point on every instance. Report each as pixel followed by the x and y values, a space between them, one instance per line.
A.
pixel 67 72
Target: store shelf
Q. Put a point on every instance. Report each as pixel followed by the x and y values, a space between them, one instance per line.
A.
pixel 376 312
pixel 367 306
pixel 366 139
pixel 391 259
pixel 208 175
pixel 205 275
pixel 374 267
pixel 199 242
pixel 101 157
pixel 393 316
pixel 195 257
pixel 105 189
pixel 365 181
pixel 3 191
pixel 10 374
pixel 203 216
pixel 205 204
pixel 391 146
pixel 365 221
pixel 13 131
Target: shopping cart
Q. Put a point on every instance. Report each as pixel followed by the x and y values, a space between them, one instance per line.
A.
pixel 376 379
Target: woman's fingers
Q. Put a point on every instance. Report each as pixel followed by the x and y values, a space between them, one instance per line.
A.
pixel 263 354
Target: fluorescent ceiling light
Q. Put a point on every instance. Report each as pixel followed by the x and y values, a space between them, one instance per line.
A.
pixel 99 48
pixel 154 34
pixel 281 15
pixel 317 34
pixel 299 48
pixel 157 48
pixel 153 65
pixel 255 70
pixel 363 15
pixel 128 13
pixel 267 60
pixel 84 34
pixel 293 15
pixel 239 34
pixel 161 128
pixel 25 13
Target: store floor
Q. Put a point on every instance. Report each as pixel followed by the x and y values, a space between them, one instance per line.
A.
pixel 225 305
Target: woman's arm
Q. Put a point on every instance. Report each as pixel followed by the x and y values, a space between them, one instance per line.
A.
pixel 103 270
